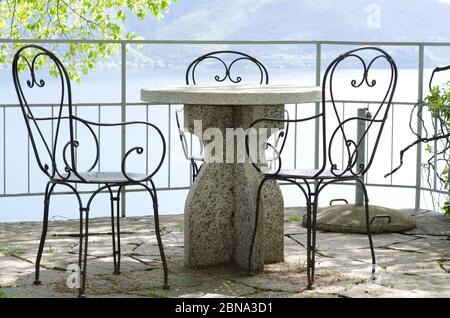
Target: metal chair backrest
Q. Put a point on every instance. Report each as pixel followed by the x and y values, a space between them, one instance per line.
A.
pixel 437 70
pixel 366 57
pixel 31 57
pixel 220 57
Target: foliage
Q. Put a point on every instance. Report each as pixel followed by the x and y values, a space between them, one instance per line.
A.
pixel 439 102
pixel 294 218
pixel 157 292
pixel 5 295
pixel 73 19
pixel 11 250
pixel 438 144
pixel 439 106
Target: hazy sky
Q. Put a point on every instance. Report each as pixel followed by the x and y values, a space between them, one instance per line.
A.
pixel 398 20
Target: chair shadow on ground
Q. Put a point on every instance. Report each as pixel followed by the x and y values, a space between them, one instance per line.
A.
pixel 409 265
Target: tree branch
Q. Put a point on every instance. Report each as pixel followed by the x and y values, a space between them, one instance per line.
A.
pixel 89 21
pixel 58 18
pixel 425 140
pixel 12 19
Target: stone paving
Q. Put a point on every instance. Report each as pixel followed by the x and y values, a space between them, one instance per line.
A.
pixel 411 264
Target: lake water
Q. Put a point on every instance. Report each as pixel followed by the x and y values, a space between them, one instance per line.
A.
pixel 104 86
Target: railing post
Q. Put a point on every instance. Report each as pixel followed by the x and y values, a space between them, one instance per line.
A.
pixel 123 116
pixel 419 128
pixel 317 111
pixel 169 138
pixel 361 139
pixel 4 150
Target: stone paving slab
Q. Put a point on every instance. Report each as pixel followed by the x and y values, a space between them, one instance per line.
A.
pixel 429 222
pixel 411 264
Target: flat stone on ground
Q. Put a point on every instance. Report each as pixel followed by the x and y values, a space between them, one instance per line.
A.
pixel 414 263
pixel 348 218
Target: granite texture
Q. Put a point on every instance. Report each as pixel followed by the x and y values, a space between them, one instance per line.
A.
pixel 221 205
pixel 231 94
pixel 220 208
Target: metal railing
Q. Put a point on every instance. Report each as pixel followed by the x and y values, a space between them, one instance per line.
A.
pixel 318 45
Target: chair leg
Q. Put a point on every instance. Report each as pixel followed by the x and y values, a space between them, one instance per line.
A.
pixel 48 191
pixel 255 228
pixel 83 252
pixel 160 246
pixel 369 233
pixel 366 211
pixel 308 245
pixel 80 250
pixel 158 233
pixel 194 170
pixel 118 252
pixel 80 245
pixel 313 241
pixel 113 232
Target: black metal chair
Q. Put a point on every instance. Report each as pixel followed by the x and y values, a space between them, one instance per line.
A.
pixel 187 150
pixel 218 56
pixel 311 182
pixel 437 69
pixel 56 156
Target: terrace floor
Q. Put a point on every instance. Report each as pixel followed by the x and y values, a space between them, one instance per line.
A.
pixel 411 264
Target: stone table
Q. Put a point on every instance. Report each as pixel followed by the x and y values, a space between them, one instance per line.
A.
pixel 221 204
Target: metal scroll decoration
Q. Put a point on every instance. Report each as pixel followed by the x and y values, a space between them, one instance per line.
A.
pixel 312 182
pixel 66 173
pixel 29 55
pixel 435 131
pixel 221 58
pixel 351 165
pixel 218 56
pixel 50 145
pixel 365 58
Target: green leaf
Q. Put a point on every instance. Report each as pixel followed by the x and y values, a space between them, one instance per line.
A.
pixel 72 19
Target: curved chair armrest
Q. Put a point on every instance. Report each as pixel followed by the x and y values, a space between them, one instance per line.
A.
pixel 184 144
pixel 437 70
pixel 138 150
pixel 70 166
pixel 182 135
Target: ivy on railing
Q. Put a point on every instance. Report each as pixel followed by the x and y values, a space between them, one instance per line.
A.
pixel 437 105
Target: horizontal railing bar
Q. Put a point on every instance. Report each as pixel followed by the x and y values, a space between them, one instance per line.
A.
pixel 402 186
pixel 412 44
pixel 76 104
pixel 434 191
pixel 381 185
pixel 374 102
pixel 35 194
pixel 219 42
pixel 146 103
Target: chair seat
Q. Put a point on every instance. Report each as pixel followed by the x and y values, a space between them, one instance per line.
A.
pixel 102 177
pixel 310 173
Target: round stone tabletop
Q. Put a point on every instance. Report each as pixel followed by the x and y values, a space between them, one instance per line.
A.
pixel 232 94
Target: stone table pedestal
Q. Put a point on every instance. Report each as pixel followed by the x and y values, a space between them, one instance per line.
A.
pixel 221 205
